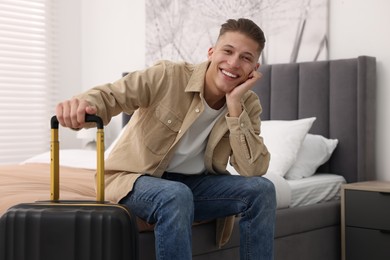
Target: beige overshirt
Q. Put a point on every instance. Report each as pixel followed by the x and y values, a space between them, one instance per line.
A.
pixel 166 99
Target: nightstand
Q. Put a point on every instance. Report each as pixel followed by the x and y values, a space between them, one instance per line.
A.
pixel 365 221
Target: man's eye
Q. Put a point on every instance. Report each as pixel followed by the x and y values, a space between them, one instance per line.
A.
pixel 228 51
pixel 249 59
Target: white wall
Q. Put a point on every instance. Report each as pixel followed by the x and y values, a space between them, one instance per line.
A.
pixel 360 27
pixel 69 59
pixel 113 41
pixel 112 37
pixel 98 40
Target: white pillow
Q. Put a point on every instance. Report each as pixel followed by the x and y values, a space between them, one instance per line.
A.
pixel 315 151
pixel 283 139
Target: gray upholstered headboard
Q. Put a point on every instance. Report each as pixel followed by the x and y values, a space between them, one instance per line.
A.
pixel 341 94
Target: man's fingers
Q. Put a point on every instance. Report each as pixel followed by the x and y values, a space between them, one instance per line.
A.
pixel 59 113
pixel 83 109
pixel 64 118
pixel 76 121
pixel 91 110
pixel 71 113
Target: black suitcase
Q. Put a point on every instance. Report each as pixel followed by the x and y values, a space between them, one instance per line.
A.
pixel 69 230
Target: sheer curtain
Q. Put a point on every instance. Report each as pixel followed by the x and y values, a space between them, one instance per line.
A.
pixel 27 77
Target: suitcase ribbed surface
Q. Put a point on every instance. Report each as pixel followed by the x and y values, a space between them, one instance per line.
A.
pixel 62 231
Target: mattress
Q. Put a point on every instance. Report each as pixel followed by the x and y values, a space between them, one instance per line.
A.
pixel 289 193
pixel 315 189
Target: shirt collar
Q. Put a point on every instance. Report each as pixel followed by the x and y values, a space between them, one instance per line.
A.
pixel 197 79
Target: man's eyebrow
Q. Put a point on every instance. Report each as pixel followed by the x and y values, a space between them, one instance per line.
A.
pixel 228 45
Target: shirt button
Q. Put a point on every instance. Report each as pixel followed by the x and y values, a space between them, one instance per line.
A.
pixel 179 131
pixel 242 124
pixel 197 110
pixel 169 121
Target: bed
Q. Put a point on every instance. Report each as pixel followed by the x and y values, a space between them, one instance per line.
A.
pixel 328 106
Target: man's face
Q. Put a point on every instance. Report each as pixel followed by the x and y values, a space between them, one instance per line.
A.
pixel 233 58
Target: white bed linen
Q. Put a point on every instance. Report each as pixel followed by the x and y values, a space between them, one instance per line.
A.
pixel 282 190
pixel 315 189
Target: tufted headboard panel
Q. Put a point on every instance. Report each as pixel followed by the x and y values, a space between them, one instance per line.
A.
pixel 341 94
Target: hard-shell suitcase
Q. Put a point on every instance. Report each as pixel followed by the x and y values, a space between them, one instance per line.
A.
pixel 69 230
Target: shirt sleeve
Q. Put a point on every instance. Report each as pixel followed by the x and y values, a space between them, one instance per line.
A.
pixel 250 156
pixel 137 89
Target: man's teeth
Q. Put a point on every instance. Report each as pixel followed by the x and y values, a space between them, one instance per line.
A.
pixel 227 73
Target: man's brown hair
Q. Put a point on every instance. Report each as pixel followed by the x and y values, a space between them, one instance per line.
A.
pixel 246 27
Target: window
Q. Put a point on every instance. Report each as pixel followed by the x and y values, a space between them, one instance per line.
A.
pixel 27 77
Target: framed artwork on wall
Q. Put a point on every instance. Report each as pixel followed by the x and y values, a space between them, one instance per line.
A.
pixel 295 30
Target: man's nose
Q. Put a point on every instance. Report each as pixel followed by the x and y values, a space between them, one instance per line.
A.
pixel 234 61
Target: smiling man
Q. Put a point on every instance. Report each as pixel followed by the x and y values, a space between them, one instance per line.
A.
pixel 189 121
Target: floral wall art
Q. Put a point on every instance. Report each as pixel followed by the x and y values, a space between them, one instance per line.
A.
pixel 296 30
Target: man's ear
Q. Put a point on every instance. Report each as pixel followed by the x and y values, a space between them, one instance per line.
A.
pixel 257 66
pixel 210 53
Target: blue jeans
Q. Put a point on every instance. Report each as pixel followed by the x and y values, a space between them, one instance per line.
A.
pixel 175 201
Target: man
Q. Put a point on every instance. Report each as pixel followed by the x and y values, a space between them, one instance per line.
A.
pixel 189 121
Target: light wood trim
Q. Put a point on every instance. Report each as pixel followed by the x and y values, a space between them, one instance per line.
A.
pixel 343 248
pixel 379 186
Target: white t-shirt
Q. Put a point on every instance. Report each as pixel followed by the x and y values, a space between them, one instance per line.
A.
pixel 189 155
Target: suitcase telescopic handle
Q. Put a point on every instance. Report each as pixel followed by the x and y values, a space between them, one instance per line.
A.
pixel 55 162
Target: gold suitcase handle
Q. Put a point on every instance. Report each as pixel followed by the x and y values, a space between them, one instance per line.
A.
pixel 55 156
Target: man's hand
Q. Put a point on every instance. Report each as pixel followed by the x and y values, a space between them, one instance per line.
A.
pixel 233 98
pixel 71 113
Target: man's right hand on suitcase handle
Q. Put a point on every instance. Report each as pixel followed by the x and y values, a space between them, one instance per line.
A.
pixel 71 113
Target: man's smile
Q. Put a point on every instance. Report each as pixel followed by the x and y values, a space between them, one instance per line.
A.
pixel 229 74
